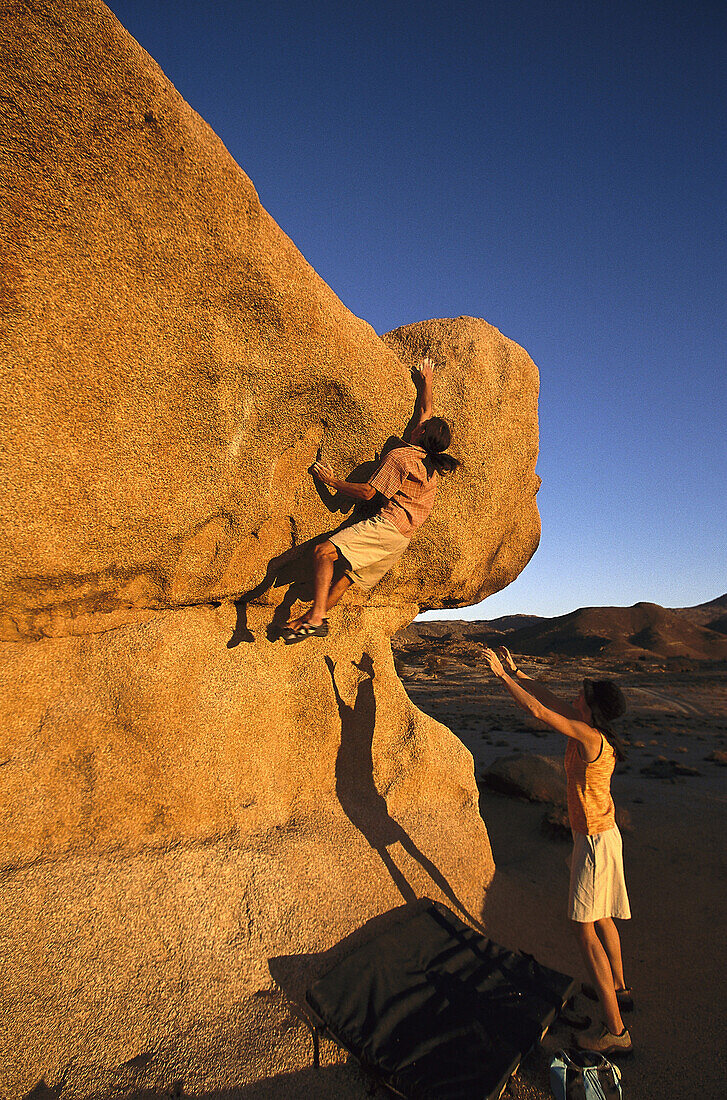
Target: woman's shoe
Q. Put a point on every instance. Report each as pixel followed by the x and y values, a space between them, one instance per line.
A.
pixel 605 1042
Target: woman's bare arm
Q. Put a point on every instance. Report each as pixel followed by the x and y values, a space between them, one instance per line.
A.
pixel 576 728
pixel 535 687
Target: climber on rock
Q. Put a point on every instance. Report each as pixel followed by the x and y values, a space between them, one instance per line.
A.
pixel 404 487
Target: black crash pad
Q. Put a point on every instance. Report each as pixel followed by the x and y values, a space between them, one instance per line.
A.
pixel 436 1010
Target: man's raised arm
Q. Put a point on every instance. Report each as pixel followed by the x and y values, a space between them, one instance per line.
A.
pixel 423 374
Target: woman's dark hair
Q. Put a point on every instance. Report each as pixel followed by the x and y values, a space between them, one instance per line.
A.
pixel 436 437
pixel 606 702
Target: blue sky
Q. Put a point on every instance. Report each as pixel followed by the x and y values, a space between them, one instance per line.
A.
pixel 558 167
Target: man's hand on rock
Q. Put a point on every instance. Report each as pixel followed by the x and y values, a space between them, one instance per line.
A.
pixel 323 473
pixel 425 369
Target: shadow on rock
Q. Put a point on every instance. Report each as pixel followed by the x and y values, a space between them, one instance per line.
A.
pixel 296 973
pixel 361 802
pixel 41 1091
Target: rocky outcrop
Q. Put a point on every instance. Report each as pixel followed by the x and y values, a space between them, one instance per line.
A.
pixel 185 799
pixel 631 633
pixel 177 365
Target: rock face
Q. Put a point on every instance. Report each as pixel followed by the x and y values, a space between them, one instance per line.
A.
pixel 183 799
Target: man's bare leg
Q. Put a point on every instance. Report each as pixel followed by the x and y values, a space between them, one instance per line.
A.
pixel 337 589
pixel 326 594
pixel 599 968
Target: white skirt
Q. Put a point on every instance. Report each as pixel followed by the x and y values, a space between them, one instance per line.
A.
pixel 597 881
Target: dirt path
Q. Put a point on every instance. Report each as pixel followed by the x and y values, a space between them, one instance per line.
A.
pixel 680 706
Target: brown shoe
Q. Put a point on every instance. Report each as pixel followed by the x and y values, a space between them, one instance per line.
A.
pixel 605 1042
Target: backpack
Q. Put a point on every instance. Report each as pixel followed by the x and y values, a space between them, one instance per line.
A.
pixel 582 1075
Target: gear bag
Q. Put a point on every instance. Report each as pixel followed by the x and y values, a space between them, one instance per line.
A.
pixel 582 1075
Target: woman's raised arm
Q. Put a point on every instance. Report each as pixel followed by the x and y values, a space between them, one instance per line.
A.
pixel 575 727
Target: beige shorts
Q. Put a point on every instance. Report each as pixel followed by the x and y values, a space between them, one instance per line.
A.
pixel 597 882
pixel 371 548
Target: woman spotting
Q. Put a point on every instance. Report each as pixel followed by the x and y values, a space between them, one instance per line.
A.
pixel 597 885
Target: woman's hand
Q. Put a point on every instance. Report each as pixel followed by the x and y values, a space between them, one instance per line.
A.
pixel 507 659
pixel 494 662
pixel 323 473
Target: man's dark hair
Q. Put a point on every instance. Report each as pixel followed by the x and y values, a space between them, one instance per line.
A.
pixel 435 440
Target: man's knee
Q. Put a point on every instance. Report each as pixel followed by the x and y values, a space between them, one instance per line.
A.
pixel 325 551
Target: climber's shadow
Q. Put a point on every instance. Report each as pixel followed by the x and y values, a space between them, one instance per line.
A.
pixel 287 570
pixel 293 569
pixel 361 802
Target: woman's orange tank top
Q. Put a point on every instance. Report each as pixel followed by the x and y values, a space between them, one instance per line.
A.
pixel 590 805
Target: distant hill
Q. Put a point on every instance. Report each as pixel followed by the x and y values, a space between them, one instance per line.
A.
pixel 698 633
pixel 466 630
pixel 621 631
pixel 713 615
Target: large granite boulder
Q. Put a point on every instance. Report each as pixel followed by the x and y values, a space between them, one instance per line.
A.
pixel 185 802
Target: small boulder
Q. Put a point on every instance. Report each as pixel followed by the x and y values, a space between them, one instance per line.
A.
pixel 667 769
pixel 526 775
pixel 555 823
